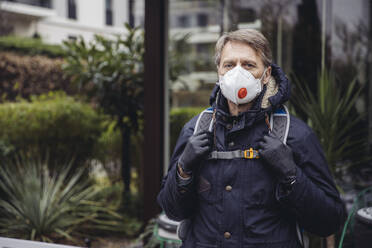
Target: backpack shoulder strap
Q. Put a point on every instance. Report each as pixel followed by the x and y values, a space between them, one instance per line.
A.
pixel 204 121
pixel 279 123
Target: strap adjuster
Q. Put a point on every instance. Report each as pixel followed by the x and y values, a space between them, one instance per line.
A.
pixel 243 154
pixel 250 153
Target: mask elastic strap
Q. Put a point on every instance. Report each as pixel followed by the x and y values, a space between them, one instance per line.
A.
pixel 263 74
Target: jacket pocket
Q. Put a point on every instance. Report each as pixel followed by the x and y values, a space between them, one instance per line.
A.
pixel 203 185
pixel 260 222
pixel 206 190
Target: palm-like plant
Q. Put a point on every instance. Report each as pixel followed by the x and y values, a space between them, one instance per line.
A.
pixel 332 115
pixel 38 204
pixel 110 71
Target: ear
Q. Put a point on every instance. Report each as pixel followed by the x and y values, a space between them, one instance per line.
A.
pixel 267 75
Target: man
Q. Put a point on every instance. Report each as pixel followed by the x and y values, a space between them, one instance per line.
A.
pixel 255 202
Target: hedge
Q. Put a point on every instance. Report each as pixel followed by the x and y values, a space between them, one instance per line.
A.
pixel 63 127
pixel 30 46
pixel 23 76
pixel 51 125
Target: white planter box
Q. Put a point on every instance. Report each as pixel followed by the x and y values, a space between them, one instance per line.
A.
pixel 19 243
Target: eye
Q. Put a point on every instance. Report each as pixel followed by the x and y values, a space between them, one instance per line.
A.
pixel 248 65
pixel 228 66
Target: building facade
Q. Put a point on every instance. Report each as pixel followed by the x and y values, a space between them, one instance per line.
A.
pixel 58 20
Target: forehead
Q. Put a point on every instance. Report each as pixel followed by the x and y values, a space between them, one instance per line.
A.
pixel 237 50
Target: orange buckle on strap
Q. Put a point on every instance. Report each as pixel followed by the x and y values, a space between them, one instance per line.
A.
pixel 250 153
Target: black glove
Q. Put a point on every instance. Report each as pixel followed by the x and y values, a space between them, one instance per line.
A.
pixel 279 156
pixel 197 146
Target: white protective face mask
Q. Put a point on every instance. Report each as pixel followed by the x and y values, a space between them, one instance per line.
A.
pixel 240 86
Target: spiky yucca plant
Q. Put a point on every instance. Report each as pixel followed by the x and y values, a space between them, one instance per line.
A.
pixel 38 204
pixel 332 115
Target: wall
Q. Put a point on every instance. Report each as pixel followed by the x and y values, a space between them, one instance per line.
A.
pixel 60 7
pixel 57 31
pixel 91 13
pixel 120 12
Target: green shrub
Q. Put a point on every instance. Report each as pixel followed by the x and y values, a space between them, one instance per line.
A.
pixel 30 46
pixel 51 125
pixel 178 118
pixel 108 153
pixel 109 145
pixel 108 149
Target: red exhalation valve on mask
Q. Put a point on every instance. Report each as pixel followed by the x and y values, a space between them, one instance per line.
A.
pixel 242 93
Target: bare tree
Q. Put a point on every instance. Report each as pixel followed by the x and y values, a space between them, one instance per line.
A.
pixel 276 26
pixel 5 26
pixel 228 16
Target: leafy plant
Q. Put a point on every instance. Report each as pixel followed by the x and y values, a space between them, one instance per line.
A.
pixel 112 71
pixel 40 204
pixel 332 114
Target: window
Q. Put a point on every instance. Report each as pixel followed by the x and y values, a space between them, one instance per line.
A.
pixel 109 17
pixel 184 21
pixel 39 3
pixel 71 9
pixel 204 49
pixel 45 3
pixel 202 20
pixel 72 38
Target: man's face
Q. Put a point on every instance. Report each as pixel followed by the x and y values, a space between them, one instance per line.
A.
pixel 238 53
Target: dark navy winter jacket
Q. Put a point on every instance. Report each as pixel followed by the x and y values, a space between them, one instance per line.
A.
pixel 238 203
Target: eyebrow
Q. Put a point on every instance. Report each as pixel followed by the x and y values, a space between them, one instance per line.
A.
pixel 232 60
pixel 249 61
pixel 229 61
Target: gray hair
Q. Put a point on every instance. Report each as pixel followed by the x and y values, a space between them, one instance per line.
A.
pixel 251 37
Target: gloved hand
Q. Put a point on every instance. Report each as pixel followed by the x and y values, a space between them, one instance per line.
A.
pixel 196 148
pixel 279 156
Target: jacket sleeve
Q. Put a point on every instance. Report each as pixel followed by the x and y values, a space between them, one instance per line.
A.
pixel 176 198
pixel 314 198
